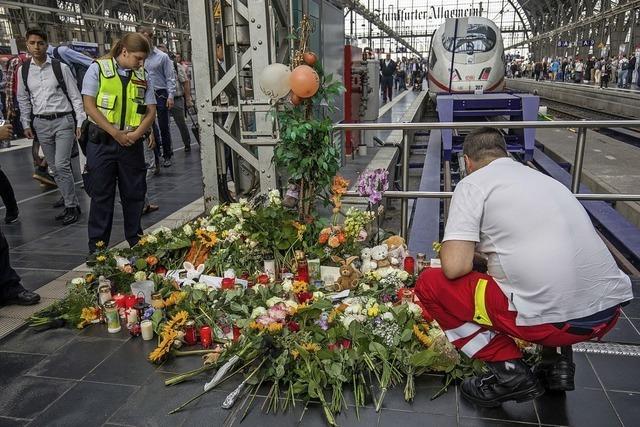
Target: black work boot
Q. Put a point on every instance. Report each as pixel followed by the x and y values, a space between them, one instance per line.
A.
pixel 556 371
pixel 508 380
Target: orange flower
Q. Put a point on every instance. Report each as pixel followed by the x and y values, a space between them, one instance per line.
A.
pixel 341 237
pixel 324 235
pixel 339 185
pixel 152 260
pixel 333 242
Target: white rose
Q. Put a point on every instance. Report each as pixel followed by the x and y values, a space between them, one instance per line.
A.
pixel 291 304
pixel 200 286
pixel 140 276
pixel 403 275
pixel 258 311
pixel 364 287
pixel 387 316
pixel 78 281
pixel 287 285
pixel 353 309
pixel 152 239
pixel 161 230
pixel 346 320
pixel 318 295
pixel 414 309
pixel 274 198
pixel 187 230
pixel 273 301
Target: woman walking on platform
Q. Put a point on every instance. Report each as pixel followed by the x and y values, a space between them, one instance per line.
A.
pixel 121 105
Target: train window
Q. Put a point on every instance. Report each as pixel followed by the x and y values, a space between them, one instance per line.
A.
pixel 432 59
pixel 480 38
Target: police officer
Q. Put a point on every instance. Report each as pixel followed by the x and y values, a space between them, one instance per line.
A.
pixel 121 105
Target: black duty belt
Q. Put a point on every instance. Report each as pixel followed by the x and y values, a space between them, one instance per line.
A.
pixel 52 116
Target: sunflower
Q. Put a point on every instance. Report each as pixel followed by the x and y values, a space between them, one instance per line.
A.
pixel 311 347
pixel 173 299
pixel 422 337
pixel 163 349
pixel 274 328
pixel 207 238
pixel 177 320
pixel 299 286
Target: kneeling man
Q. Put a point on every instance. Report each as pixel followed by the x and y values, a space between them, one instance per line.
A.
pixel 551 279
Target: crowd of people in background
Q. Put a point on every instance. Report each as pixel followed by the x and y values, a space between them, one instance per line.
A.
pixel 397 76
pixel 622 71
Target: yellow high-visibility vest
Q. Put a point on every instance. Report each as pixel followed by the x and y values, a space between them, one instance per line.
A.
pixel 122 105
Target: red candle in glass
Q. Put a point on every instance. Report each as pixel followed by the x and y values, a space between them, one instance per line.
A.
pixel 190 333
pixel 228 283
pixel 409 265
pixel 205 336
pixel 302 272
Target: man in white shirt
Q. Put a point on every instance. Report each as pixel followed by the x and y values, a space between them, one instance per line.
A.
pixel 551 279
pixel 56 116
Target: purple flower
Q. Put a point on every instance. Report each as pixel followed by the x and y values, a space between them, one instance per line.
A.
pixel 148 313
pixel 373 183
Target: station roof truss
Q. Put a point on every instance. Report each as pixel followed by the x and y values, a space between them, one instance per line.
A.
pixel 85 19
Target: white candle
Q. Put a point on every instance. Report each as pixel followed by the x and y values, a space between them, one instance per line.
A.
pixel 146 327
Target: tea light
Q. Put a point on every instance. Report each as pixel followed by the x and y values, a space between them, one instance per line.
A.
pixel 146 327
pixel 104 293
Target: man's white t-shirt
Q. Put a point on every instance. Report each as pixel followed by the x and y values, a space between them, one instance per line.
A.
pixel 542 248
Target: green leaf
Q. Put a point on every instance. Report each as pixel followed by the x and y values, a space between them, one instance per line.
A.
pixel 379 349
pixel 406 335
pixel 141 264
pixel 423 359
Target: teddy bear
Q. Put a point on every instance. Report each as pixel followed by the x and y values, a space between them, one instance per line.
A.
pixel 349 275
pixel 397 250
pixel 380 255
pixel 367 263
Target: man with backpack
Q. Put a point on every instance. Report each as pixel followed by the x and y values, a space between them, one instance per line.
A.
pixel 51 108
pixel 76 61
pixel 623 73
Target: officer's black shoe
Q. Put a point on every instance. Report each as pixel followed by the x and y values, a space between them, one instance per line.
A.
pixel 557 375
pixel 73 215
pixel 59 203
pixel 187 149
pixel 508 380
pixel 23 298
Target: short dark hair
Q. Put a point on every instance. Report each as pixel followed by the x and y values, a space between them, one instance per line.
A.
pixel 219 39
pixel 484 143
pixel 37 32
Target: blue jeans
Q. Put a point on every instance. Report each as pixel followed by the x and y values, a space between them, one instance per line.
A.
pixel 622 77
pixel 164 135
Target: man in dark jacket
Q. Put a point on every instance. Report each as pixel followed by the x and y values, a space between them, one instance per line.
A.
pixel 387 70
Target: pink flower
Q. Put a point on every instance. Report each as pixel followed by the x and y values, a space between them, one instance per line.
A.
pixel 266 320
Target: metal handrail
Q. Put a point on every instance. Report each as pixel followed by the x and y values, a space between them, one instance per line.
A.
pixel 470 125
pixel 576 172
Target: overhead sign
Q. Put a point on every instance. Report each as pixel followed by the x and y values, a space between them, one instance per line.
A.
pixel 563 43
pixel 587 43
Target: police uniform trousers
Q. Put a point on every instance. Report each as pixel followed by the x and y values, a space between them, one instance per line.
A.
pixel 109 163
pixel 475 316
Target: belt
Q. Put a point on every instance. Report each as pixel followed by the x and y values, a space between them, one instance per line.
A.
pixel 52 116
pixel 589 324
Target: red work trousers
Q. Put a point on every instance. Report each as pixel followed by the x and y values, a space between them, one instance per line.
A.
pixel 452 304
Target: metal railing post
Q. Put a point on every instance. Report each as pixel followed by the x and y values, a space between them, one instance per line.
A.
pixel 404 203
pixel 576 172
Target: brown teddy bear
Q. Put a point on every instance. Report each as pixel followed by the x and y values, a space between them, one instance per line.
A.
pixel 349 275
pixel 397 250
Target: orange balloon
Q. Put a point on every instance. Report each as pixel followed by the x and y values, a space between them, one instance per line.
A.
pixel 310 58
pixel 304 81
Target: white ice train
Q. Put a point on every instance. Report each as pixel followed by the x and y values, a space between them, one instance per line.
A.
pixel 479 59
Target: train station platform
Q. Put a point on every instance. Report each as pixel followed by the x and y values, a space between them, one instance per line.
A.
pixel 623 103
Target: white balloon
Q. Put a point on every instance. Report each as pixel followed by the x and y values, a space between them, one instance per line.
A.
pixel 274 80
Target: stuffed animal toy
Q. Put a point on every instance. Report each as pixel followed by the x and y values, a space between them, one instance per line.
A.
pixel 380 255
pixel 349 275
pixel 367 263
pixel 397 250
pixel 192 272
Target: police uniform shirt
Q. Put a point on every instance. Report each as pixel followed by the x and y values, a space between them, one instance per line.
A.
pixel 70 56
pixel 91 83
pixel 542 248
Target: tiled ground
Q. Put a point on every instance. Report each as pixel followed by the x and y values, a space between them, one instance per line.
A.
pixel 91 378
